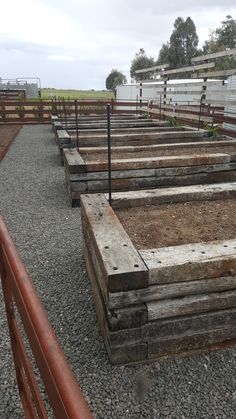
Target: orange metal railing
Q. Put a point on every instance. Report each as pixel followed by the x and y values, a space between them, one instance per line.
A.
pixel 64 394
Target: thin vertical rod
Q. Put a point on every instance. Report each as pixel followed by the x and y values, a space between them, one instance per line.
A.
pixel 140 93
pixel 60 104
pixel 76 123
pixel 64 108
pixel 109 150
pixel 160 107
pixel 200 113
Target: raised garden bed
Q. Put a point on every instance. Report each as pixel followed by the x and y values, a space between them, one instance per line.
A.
pixel 170 293
pixel 134 137
pixel 149 166
pixel 115 123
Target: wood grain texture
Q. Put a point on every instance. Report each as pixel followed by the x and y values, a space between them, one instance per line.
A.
pixel 190 342
pixel 170 290
pixel 124 318
pixel 167 328
pixel 122 265
pixel 191 261
pixel 74 161
pixel 191 304
pixel 167 195
pixel 156 162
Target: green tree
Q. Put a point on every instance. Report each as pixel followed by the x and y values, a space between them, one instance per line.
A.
pixel 182 45
pixel 164 54
pixel 220 39
pixel 141 60
pixel 114 79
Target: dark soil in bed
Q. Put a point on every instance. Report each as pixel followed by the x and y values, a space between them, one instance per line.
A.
pixel 180 223
pixel 7 135
pixel 147 153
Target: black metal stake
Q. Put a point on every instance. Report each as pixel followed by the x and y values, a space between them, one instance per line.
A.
pixel 76 123
pixel 200 113
pixel 160 107
pixel 64 108
pixel 60 105
pixel 109 150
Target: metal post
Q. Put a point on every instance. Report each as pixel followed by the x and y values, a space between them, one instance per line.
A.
pixel 140 93
pixel 160 107
pixel 76 123
pixel 200 112
pixel 165 90
pixel 213 116
pixel 60 107
pixel 109 150
pixel 64 108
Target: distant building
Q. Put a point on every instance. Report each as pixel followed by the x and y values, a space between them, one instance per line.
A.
pixel 230 110
pixel 180 91
pixel 31 86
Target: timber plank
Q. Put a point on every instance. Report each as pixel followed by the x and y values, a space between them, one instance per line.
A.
pixel 141 173
pixel 168 195
pixel 131 353
pixel 191 261
pixel 167 328
pixel 172 290
pixel 156 162
pixel 153 182
pixel 138 130
pixel 191 304
pixel 117 319
pixel 78 187
pixel 190 342
pixel 62 133
pixel 128 354
pixel 152 148
pixel 73 160
pixel 123 268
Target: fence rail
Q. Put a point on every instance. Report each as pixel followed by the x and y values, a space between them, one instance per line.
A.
pixel 197 115
pixel 40 111
pixel 12 94
pixel 22 302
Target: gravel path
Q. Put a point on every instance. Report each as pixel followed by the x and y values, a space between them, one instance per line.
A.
pixel 47 232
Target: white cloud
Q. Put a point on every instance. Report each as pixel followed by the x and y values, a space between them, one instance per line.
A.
pixel 75 43
pixel 61 58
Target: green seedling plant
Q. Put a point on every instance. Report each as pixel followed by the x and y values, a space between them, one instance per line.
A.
pixel 172 121
pixel 213 131
pixel 145 115
pixel 3 113
pixel 21 111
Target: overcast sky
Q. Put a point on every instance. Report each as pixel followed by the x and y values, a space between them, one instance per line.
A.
pixel 75 43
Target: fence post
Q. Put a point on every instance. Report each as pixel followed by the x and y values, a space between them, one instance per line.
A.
pixel 160 108
pixel 65 111
pixel 200 112
pixel 76 123
pixel 109 150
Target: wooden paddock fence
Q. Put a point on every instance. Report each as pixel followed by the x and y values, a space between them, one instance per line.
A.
pixel 36 111
pixel 12 94
pixel 201 115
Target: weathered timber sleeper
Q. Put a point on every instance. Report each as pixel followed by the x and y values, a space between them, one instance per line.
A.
pixel 154 303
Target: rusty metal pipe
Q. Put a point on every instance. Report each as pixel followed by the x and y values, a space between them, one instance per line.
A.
pixel 63 390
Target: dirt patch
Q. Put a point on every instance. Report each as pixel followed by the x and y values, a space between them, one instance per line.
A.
pixel 7 135
pixel 154 153
pixel 181 223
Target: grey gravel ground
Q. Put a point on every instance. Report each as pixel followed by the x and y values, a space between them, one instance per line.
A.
pixel 47 232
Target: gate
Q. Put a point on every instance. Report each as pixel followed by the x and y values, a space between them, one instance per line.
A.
pixel 23 308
